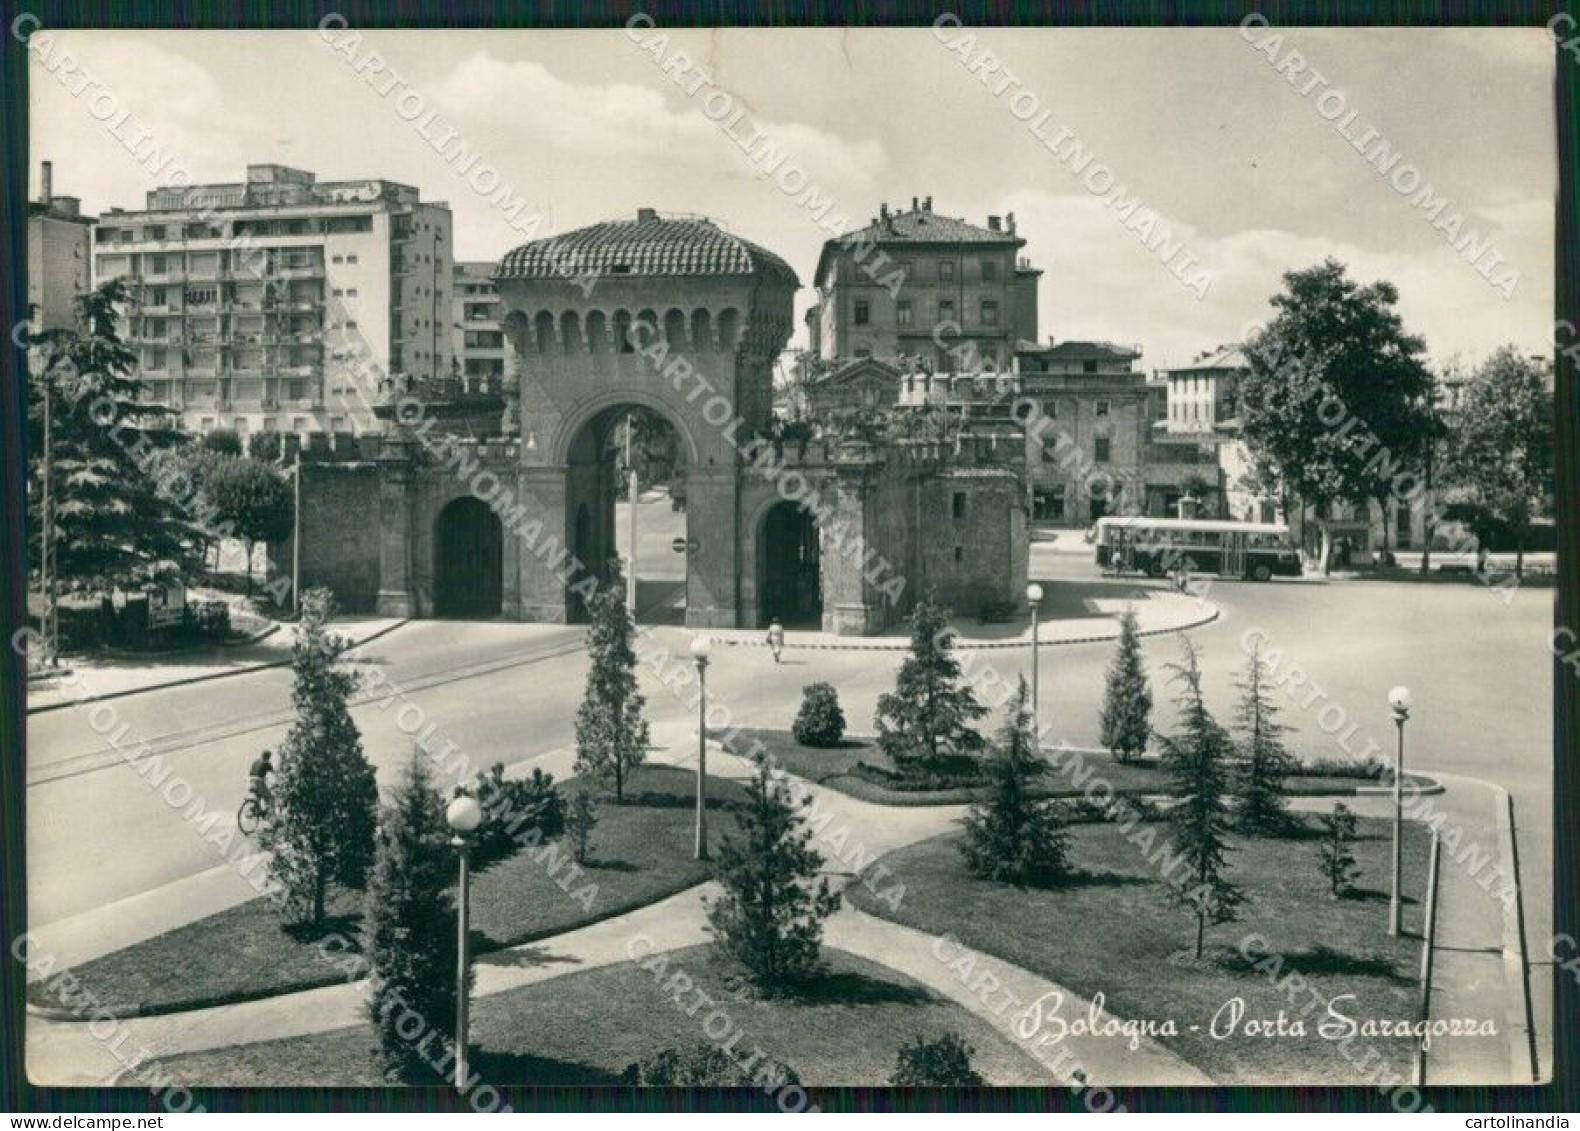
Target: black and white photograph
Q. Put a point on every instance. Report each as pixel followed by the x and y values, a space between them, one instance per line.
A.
pixel 789 563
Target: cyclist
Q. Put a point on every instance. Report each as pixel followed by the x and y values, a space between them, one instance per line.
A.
pixel 262 767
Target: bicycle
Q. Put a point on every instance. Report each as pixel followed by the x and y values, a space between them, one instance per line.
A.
pixel 252 814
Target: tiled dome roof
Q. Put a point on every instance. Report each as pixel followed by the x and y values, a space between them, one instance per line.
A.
pixel 648 245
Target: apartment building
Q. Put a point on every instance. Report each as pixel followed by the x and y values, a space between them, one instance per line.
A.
pixel 283 303
pixel 920 288
pixel 59 256
pixel 480 343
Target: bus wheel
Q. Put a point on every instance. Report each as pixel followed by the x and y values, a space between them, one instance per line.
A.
pixel 1155 567
pixel 1260 572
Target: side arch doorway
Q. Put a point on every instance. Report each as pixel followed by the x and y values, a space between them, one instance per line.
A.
pixel 792 577
pixel 469 547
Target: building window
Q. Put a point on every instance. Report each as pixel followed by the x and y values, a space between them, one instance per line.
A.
pixel 946 310
pixel 1050 409
pixel 863 312
pixel 946 269
pixel 989 312
pixel 1101 409
pixel 1088 367
pixel 1100 449
pixel 960 554
pixel 905 269
pixel 902 313
pixel 990 269
pixel 958 505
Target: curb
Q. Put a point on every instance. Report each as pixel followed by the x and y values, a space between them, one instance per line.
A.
pixel 205 678
pixel 967 646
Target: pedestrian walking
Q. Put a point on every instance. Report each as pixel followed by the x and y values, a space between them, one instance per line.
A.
pixel 776 638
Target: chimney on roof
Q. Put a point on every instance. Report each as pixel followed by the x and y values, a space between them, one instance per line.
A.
pixel 993 223
pixel 927 204
pixel 915 207
pixel 1010 220
pixel 47 183
pixel 643 215
pixel 883 211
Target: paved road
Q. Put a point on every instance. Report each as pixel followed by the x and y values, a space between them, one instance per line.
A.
pixel 506 692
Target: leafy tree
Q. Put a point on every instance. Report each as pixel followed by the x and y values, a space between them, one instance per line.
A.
pixel 579 822
pixel 702 1065
pixel 265 446
pixel 611 734
pixel 1012 837
pixel 252 500
pixel 1334 350
pixel 116 523
pixel 819 722
pixel 516 812
pixel 1198 759
pixel 944 1062
pixel 924 723
pixel 1127 702
pixel 1501 449
pixel 770 916
pixel 1335 850
pixel 410 926
pixel 1265 763
pixel 325 795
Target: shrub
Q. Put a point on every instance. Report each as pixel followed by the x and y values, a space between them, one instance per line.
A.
pixel 1011 837
pixel 941 1063
pixel 1127 700
pixel 579 822
pixel 516 812
pixel 212 619
pixel 222 440
pixel 820 722
pixel 927 718
pixel 705 1066
pixel 265 446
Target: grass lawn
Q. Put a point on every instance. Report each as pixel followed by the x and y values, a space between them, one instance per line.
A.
pixel 585 1028
pixel 641 853
pixel 1113 931
pixel 860 768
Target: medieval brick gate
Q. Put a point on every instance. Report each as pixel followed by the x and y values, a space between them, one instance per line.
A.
pixel 436 517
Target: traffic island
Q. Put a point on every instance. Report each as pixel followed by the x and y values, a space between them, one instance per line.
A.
pixel 641 853
pixel 1112 935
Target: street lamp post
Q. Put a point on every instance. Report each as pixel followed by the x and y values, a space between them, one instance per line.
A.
pixel 464 814
pixel 1399 700
pixel 1034 599
pixel 700 646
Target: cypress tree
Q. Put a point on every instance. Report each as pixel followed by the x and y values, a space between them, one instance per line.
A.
pixel 1011 836
pixel 770 916
pixel 325 809
pixel 611 734
pixel 1265 762
pixel 1127 703
pixel 924 723
pixel 410 930
pixel 1198 758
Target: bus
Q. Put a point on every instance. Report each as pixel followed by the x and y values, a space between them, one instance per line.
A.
pixel 1158 546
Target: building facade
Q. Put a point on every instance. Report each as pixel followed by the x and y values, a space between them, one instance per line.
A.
pixel 479 342
pixel 920 288
pixel 282 303
pixel 1094 448
pixel 59 256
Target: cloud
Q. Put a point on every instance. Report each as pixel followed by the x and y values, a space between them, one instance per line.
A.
pixel 604 120
pixel 1102 282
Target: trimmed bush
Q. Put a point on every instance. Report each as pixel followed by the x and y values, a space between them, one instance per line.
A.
pixel 820 722
pixel 516 813
pixel 264 446
pixel 212 619
pixel 706 1066
pixel 941 1063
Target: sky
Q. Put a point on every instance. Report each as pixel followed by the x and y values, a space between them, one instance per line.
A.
pixel 1246 173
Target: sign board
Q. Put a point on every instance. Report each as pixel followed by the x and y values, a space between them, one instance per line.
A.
pixel 684 545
